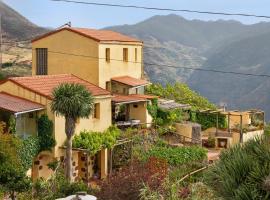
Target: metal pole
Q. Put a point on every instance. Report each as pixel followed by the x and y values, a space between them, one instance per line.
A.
pixel 241 128
pixel 217 124
pixel 229 122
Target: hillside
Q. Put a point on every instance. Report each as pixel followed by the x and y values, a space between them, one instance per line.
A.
pixel 249 55
pixel 17 27
pixel 173 40
pixel 223 45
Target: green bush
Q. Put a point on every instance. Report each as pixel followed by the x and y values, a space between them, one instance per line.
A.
pixel 177 155
pixel 181 93
pixel 95 141
pixel 163 117
pixel 242 171
pixel 12 171
pixel 45 133
pixel 211 142
pixel 57 187
pixel 27 151
pixel 209 120
pixel 12 125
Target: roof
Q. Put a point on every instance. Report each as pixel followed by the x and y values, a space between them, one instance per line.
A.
pixel 130 81
pixel 17 104
pixel 171 104
pixel 45 84
pixel 124 99
pixel 97 35
pixel 145 96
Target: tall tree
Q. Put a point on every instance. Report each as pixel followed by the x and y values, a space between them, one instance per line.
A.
pixel 73 101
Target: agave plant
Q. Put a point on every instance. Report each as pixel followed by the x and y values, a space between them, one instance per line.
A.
pixel 243 171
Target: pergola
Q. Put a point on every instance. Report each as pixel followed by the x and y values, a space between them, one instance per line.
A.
pixel 229 114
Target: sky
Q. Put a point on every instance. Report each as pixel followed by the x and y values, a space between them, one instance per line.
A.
pixel 52 14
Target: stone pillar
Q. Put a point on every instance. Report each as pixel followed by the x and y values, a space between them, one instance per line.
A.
pixel 104 163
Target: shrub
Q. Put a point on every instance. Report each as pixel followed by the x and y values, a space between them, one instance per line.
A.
pixel 57 187
pixel 28 149
pixel 45 133
pixel 161 116
pixel 12 125
pixel 208 120
pixel 128 181
pixel 242 171
pixel 12 172
pixel 200 191
pixel 181 93
pixel 95 141
pixel 211 142
pixel 177 155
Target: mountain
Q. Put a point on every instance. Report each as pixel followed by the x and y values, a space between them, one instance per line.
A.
pixel 250 55
pixel 176 41
pixel 173 40
pixel 15 26
pixel 220 45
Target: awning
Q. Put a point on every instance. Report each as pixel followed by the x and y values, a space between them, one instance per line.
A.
pixel 171 104
pixel 126 99
pixel 17 105
pixel 130 81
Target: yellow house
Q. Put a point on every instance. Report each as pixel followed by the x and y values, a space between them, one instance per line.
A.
pixel 109 64
pixel 28 97
pixel 93 55
pixel 108 59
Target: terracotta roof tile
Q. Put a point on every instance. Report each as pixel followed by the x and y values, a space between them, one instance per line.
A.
pixel 45 84
pixel 17 104
pixel 127 80
pixel 127 99
pixel 145 96
pixel 98 35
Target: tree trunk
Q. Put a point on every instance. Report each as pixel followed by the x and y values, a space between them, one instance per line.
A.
pixel 12 195
pixel 69 129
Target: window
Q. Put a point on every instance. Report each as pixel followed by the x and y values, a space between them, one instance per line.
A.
pixel 97 111
pixel 42 61
pixel 108 85
pixel 108 56
pixel 136 56
pixel 125 54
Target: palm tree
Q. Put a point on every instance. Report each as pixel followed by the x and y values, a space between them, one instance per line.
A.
pixel 73 101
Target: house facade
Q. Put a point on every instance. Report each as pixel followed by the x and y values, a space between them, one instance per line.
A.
pixel 110 60
pixel 27 98
pixel 109 64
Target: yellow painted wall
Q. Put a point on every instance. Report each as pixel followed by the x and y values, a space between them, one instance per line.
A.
pixel 117 67
pixel 236 120
pixel 140 112
pixel 84 66
pixel 184 129
pixel 59 122
pixel 91 64
pixel 85 124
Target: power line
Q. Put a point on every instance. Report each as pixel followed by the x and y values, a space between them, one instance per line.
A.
pixel 145 47
pixel 164 9
pixel 170 66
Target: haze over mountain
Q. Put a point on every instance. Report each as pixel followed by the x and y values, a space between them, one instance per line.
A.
pixel 173 40
pixel 15 26
pixel 221 45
